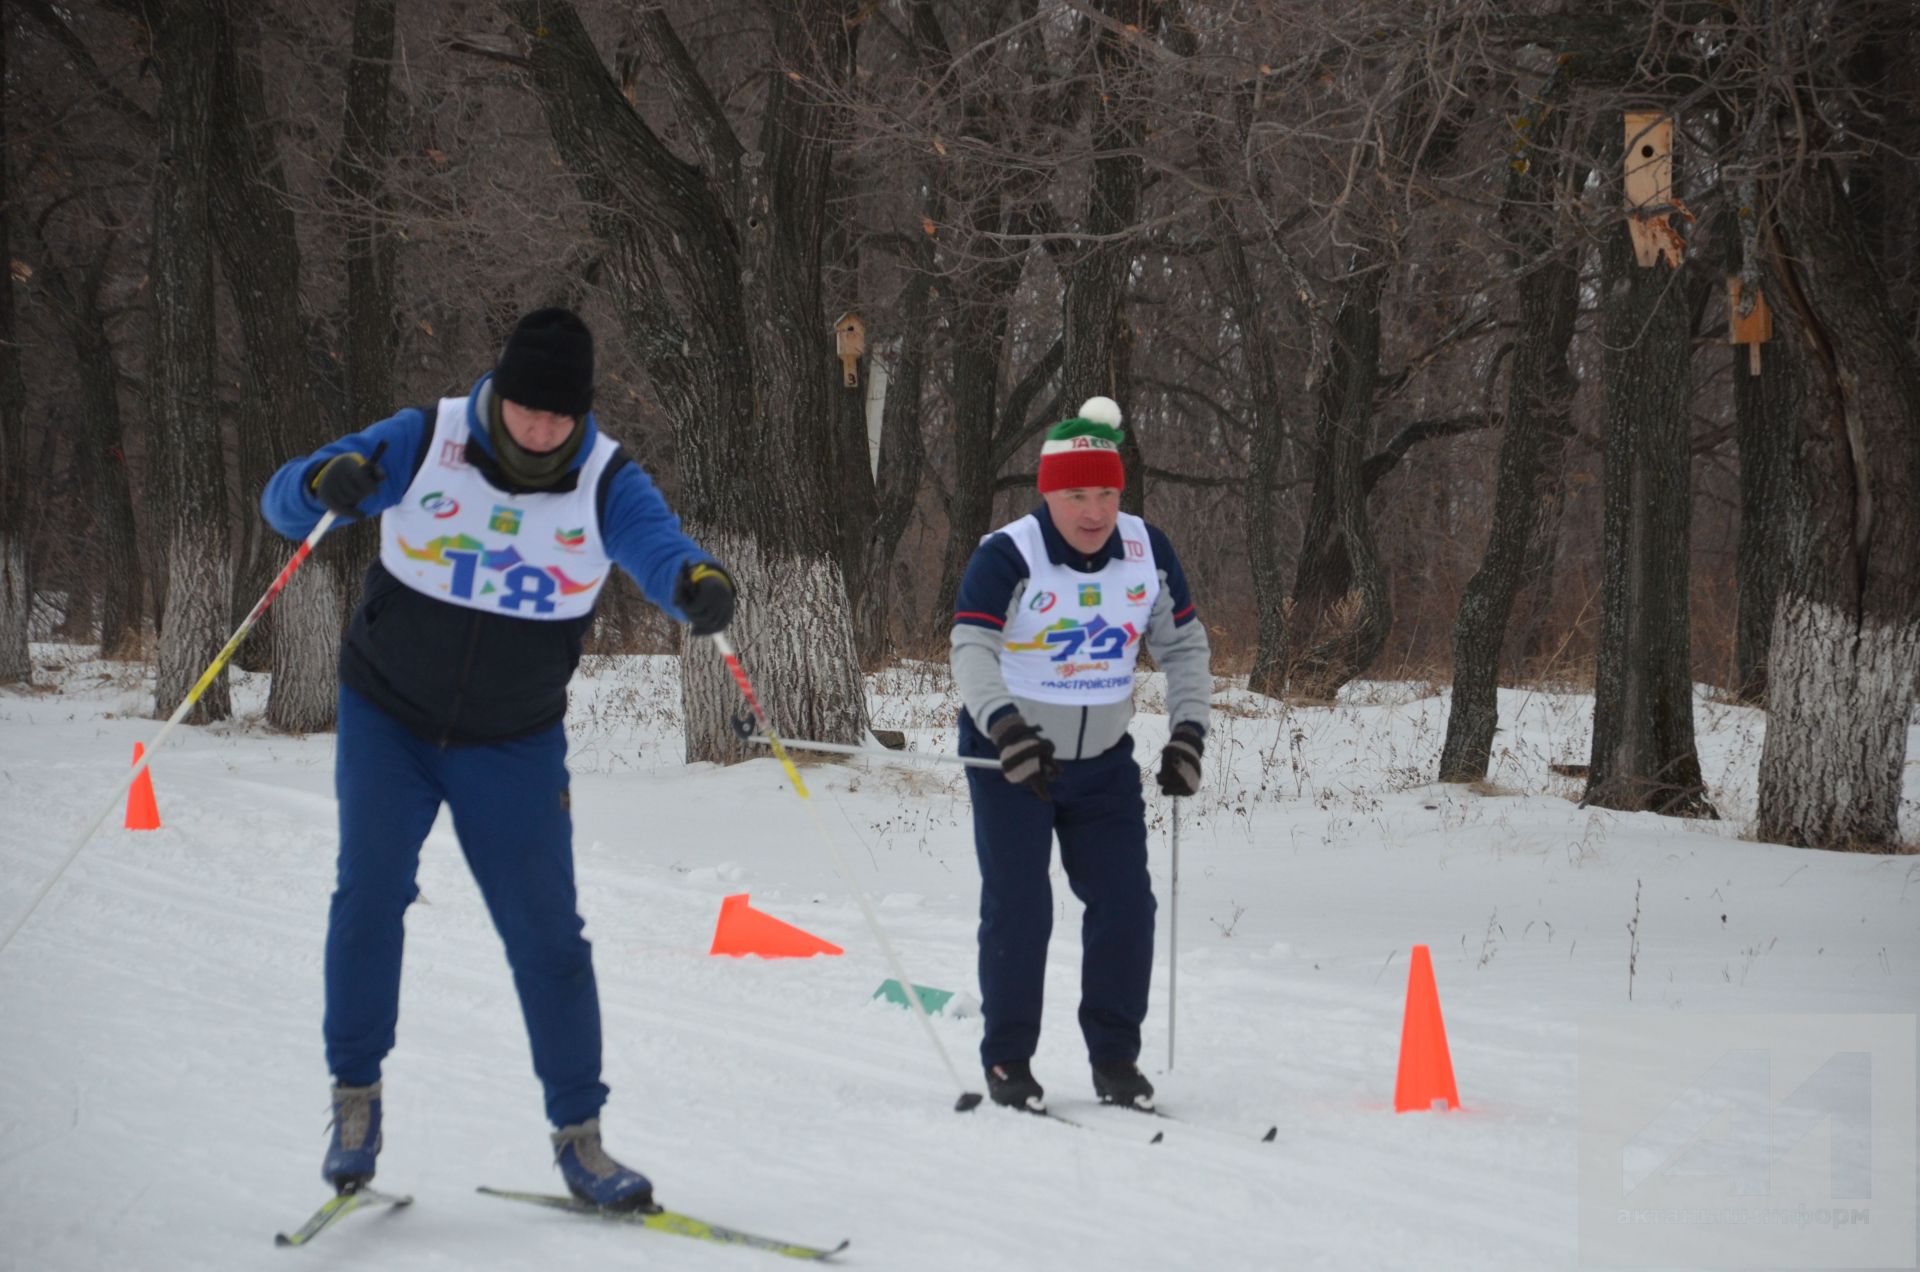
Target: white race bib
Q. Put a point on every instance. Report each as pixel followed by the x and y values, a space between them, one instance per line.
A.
pixel 456 538
pixel 1076 637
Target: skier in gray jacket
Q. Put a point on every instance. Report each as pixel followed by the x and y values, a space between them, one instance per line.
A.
pixel 1047 628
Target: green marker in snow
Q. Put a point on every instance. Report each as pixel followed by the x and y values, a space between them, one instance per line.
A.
pixel 931 999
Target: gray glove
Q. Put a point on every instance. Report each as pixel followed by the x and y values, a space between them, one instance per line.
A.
pixel 1026 757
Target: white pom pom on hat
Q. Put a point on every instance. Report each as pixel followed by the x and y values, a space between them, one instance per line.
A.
pixel 1084 451
pixel 1101 410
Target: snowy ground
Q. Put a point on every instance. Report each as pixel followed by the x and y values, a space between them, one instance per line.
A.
pixel 163 1099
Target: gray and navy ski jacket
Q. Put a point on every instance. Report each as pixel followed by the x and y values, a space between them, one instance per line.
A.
pixel 457 676
pixel 991 591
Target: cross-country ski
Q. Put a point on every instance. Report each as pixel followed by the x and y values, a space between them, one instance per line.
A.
pixel 672 1221
pixel 336 1208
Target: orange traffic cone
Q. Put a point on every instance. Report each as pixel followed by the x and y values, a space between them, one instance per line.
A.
pixel 745 930
pixel 1426 1069
pixel 142 812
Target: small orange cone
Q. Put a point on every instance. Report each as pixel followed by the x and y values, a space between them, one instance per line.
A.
pixel 142 812
pixel 1426 1069
pixel 745 930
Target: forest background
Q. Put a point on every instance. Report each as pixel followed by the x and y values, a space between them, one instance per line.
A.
pixel 1471 341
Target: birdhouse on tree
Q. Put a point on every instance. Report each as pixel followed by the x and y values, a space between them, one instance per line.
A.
pixel 1648 173
pixel 849 345
pixel 1753 328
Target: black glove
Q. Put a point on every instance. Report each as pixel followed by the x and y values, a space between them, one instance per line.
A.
pixel 1180 761
pixel 343 481
pixel 1026 757
pixel 705 595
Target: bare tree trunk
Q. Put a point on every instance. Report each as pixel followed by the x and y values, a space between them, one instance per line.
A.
pixel 1767 411
pixel 979 335
pixel 1846 638
pixel 1341 612
pixel 897 475
pixel 1260 360
pixel 74 300
pixel 983 209
pixel 1539 402
pixel 853 483
pixel 1133 498
pixel 1643 750
pixel 742 353
pixel 260 257
pixel 786 641
pixel 1540 389
pixel 1269 672
pixel 1537 640
pixel 188 458
pixel 16 590
pixel 369 331
pixel 980 355
pixel 369 327
pixel 1095 273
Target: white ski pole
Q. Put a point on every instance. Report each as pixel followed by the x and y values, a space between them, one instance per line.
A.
pixel 179 714
pixel 878 752
pixel 968 1099
pixel 1173 935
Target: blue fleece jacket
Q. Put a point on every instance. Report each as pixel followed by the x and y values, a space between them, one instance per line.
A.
pixel 641 534
pixel 455 675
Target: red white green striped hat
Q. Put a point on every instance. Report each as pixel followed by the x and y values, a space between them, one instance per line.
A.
pixel 1085 450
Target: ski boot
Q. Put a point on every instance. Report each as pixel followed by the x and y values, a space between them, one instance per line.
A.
pixel 356 1137
pixel 1012 1083
pixel 594 1177
pixel 1121 1082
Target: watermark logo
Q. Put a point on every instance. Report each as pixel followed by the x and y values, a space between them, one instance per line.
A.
pixel 1748 1141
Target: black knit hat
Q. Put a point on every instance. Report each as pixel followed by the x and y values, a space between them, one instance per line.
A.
pixel 547 363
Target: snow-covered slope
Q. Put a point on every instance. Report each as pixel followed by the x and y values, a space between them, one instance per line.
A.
pixel 163 1098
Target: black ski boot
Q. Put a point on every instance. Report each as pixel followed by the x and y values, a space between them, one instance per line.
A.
pixel 1121 1082
pixel 1011 1083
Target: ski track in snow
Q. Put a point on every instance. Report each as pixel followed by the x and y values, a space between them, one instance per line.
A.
pixel 163 1097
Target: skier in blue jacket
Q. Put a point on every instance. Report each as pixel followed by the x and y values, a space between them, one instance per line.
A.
pixel 1052 612
pixel 501 514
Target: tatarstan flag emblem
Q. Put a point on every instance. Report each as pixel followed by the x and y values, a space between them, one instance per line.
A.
pixel 571 538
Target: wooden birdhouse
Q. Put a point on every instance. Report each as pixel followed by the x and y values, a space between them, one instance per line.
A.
pixel 1751 329
pixel 849 345
pixel 1648 173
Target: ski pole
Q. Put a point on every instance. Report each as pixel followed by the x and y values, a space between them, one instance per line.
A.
pixel 877 752
pixel 180 712
pixel 968 1099
pixel 1173 935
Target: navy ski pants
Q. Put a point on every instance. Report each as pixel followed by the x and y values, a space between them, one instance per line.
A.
pixel 1099 815
pixel 510 811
